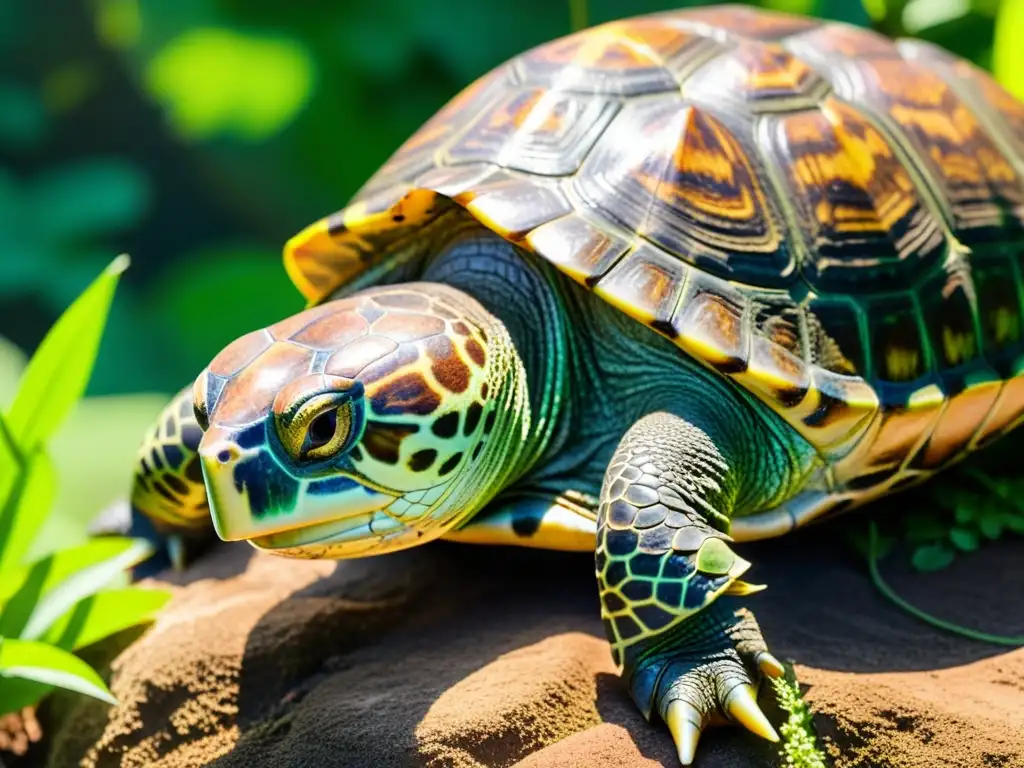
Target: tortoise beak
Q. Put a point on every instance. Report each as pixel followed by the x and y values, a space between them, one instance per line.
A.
pixel 251 495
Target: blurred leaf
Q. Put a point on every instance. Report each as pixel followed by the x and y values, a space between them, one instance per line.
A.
pixel 932 557
pixel 221 82
pixel 924 527
pixel 991 524
pixel 23 120
pixel 12 363
pixel 921 14
pixel 45 664
pixel 88 198
pixel 81 584
pixel 1008 50
pixel 802 7
pixel 968 34
pixel 26 503
pixel 118 22
pixel 966 512
pixel 849 11
pixel 1013 521
pixel 239 290
pixel 68 86
pixel 59 370
pixel 876 9
pixel 964 539
pixel 105 614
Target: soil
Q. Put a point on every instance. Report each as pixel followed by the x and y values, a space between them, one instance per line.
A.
pixel 462 656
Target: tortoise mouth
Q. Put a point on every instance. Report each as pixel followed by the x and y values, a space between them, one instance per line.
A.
pixel 362 527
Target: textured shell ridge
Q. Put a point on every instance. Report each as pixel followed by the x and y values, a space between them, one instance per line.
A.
pixel 759 188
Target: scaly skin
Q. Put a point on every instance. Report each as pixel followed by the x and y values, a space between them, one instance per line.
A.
pixel 394 416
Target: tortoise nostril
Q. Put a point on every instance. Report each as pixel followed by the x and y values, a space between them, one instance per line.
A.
pixel 225 456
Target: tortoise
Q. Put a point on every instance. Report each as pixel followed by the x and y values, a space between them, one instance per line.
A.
pixel 652 289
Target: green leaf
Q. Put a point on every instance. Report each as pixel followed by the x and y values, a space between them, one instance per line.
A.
pixel 42 663
pixel 25 504
pixel 926 527
pixel 932 557
pixel 86 199
pixel 231 275
pixel 23 120
pixel 220 82
pixel 1013 520
pixel 104 614
pixel 964 539
pixel 80 585
pixel 59 371
pixel 52 585
pixel 965 512
pixel 1009 42
pixel 991 524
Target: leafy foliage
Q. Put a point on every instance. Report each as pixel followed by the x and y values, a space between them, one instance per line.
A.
pixel 799 744
pixel 955 514
pixel 239 121
pixel 50 606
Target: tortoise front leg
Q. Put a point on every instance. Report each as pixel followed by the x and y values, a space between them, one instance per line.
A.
pixel 168 501
pixel 663 559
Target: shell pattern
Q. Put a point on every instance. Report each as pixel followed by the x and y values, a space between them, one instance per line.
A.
pixel 832 219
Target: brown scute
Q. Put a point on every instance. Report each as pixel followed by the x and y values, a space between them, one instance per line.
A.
pixel 250 395
pixel 408 326
pixel 405 355
pixel 240 353
pixel 383 440
pixel 461 328
pixel 446 364
pixel 355 357
pixel 410 393
pixel 334 330
pixel 476 352
pixel 286 328
pixel 406 300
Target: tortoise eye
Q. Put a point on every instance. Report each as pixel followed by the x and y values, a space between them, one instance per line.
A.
pixel 317 429
pixel 322 429
pixel 327 433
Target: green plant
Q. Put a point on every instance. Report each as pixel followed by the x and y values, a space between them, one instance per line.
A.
pixel 799 744
pixel 56 604
pixel 873 555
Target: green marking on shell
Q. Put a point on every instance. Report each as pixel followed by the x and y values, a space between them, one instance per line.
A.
pixel 715 558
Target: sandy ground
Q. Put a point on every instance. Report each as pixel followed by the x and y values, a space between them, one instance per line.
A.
pixel 462 656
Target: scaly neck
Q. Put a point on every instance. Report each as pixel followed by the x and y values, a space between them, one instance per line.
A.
pixel 513 288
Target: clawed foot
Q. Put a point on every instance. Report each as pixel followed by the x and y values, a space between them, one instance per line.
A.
pixel 704 674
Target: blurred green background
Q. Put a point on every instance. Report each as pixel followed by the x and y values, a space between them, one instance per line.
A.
pixel 198 135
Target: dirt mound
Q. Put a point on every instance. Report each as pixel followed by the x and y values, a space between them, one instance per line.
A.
pixel 466 657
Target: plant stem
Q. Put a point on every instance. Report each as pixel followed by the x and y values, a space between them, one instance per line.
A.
pixel 886 590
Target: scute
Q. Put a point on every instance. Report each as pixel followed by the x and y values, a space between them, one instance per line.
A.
pixel 833 220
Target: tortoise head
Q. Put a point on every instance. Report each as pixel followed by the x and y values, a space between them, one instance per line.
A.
pixel 361 426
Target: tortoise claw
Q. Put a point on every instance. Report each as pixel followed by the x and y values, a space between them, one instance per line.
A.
pixel 684 723
pixel 741 705
pixel 769 665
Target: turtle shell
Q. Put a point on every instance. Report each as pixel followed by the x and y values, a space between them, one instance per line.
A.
pixel 832 219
